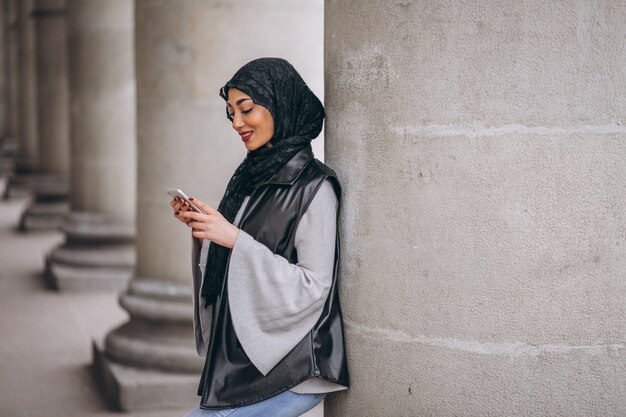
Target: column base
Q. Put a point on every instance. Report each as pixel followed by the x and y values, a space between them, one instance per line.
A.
pixel 25 165
pixel 43 216
pixel 50 205
pixel 134 389
pixel 67 277
pixel 98 254
pixel 160 333
pixel 7 166
pixel 19 185
pixel 151 362
pixel 22 179
pixel 9 146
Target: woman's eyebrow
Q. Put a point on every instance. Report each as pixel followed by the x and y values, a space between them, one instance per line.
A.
pixel 241 100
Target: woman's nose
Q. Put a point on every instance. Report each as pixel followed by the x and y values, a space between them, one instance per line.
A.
pixel 237 121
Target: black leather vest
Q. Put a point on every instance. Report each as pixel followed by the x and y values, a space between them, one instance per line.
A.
pixel 229 379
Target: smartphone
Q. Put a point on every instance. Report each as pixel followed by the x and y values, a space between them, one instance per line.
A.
pixel 177 192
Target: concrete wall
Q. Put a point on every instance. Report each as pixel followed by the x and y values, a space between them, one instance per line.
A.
pixel 483 154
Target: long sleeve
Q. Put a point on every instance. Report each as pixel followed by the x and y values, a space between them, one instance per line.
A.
pixel 274 303
pixel 202 315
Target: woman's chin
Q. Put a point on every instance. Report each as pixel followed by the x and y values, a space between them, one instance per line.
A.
pixel 254 146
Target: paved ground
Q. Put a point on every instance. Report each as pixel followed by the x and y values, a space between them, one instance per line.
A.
pixel 45 336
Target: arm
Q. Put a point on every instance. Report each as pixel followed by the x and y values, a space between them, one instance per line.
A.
pixel 274 303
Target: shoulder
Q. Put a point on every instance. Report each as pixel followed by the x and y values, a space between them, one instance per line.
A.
pixel 322 167
pixel 326 196
pixel 319 173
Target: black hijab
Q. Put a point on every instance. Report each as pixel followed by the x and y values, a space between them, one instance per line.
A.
pixel 298 115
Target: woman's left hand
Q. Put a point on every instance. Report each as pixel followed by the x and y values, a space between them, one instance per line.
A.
pixel 210 225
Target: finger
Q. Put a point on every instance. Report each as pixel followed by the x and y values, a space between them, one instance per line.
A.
pixel 177 202
pixel 189 215
pixel 196 225
pixel 183 221
pixel 202 206
pixel 200 234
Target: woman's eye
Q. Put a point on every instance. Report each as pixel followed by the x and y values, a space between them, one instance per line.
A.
pixel 231 115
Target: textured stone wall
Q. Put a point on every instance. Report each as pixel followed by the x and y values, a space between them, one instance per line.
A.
pixel 483 154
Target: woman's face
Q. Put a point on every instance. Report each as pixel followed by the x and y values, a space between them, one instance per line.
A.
pixel 253 122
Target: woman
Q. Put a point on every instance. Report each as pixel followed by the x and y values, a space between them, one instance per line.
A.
pixel 266 308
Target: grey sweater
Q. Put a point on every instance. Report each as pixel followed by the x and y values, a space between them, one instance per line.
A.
pixel 274 303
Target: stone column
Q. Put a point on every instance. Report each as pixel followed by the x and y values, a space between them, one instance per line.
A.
pixel 27 158
pixel 21 179
pixel 4 79
pixel 98 252
pixel 9 88
pixel 185 51
pixel 482 150
pixel 51 187
pixel 13 64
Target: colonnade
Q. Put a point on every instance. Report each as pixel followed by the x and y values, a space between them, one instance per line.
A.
pixel 8 50
pixel 26 162
pixel 17 96
pixel 481 151
pixel 100 229
pixel 50 186
pixel 127 105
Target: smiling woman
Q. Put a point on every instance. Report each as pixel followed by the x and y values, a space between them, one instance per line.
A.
pixel 253 122
pixel 266 309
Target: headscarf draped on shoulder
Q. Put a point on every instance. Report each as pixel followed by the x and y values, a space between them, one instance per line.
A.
pixel 298 116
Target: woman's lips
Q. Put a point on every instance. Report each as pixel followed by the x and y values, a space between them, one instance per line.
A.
pixel 246 136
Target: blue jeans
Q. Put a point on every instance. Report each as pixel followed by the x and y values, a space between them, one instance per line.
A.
pixel 285 404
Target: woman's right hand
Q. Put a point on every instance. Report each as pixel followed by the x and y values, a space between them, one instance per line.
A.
pixel 180 205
